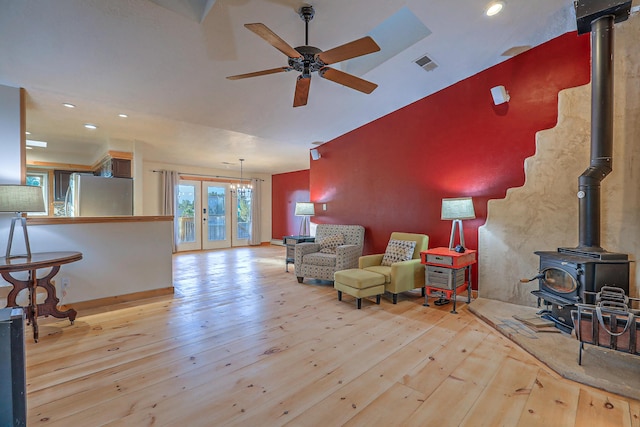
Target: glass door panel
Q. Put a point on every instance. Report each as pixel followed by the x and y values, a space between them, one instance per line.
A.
pixel 216 218
pixel 242 218
pixel 188 216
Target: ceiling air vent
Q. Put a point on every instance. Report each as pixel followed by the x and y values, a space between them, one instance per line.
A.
pixel 426 63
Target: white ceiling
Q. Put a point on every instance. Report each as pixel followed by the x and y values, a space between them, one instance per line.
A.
pixel 164 63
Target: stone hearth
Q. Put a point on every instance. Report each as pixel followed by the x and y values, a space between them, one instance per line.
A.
pixel 608 370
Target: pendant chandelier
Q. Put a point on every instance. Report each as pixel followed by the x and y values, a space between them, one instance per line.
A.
pixel 242 189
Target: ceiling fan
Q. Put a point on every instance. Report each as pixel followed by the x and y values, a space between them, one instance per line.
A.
pixel 308 59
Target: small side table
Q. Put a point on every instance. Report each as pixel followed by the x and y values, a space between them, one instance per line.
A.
pixel 290 242
pixel 443 268
pixel 38 261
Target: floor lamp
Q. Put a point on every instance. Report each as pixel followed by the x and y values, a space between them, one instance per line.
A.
pixel 305 210
pixel 18 199
pixel 456 210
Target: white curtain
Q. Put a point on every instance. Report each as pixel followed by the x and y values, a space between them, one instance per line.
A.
pixel 169 185
pixel 256 213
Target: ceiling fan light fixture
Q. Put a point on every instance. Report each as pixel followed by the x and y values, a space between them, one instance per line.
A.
pixel 494 8
pixel 309 59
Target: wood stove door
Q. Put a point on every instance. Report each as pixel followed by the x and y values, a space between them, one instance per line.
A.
pixel 558 280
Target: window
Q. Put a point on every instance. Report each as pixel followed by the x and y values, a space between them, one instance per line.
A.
pixel 40 179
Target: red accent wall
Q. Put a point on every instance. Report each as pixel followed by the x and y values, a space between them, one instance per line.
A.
pixel 391 174
pixel 287 189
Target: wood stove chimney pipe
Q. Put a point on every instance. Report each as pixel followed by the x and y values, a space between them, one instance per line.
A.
pixel 598 17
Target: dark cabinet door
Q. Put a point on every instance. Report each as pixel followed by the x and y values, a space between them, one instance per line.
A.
pixel 121 168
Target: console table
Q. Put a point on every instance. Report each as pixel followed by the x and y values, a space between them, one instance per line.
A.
pixel 37 261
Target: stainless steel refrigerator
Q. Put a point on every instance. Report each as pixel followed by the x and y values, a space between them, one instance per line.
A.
pixel 90 195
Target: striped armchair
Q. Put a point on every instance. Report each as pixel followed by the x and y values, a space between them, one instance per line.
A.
pixel 322 258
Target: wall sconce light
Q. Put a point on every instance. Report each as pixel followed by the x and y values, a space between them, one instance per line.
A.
pixel 315 154
pixel 457 209
pixel 305 210
pixel 499 95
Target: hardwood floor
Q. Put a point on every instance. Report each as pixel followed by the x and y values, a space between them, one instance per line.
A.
pixel 241 343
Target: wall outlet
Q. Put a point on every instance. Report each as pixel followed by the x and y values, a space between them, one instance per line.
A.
pixel 64 283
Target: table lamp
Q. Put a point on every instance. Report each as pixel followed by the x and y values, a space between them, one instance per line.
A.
pixel 305 210
pixel 457 209
pixel 18 199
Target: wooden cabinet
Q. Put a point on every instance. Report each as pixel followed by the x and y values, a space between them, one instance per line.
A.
pixel 121 168
pixel 118 168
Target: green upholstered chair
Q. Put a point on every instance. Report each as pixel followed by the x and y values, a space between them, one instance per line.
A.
pixel 400 276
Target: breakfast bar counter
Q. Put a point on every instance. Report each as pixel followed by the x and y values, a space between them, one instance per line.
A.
pixel 123 258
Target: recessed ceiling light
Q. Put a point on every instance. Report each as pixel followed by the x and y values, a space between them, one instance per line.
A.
pixel 494 8
pixel 32 143
pixel 90 126
pixel 68 105
pixel 124 116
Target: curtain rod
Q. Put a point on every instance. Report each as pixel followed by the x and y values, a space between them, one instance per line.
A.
pixel 210 176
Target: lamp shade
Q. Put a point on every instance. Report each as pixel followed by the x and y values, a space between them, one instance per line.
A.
pixel 458 208
pixel 304 208
pixel 21 198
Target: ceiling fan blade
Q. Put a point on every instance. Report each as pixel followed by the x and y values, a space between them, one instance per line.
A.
pixel 302 91
pixel 260 73
pixel 273 39
pixel 347 79
pixel 350 50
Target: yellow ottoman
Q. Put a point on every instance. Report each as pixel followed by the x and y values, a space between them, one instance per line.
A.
pixel 359 284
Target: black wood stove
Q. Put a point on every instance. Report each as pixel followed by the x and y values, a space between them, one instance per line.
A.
pixel 568 276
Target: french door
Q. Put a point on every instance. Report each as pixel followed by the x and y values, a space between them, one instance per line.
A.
pixel 211 216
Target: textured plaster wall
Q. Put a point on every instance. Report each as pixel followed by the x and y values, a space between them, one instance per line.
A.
pixel 543 214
